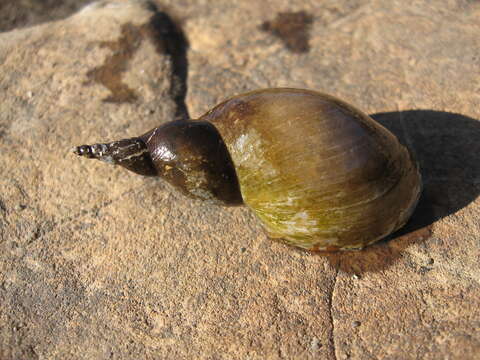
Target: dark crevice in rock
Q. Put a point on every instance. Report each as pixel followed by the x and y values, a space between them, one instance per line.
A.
pixel 330 314
pixel 35 235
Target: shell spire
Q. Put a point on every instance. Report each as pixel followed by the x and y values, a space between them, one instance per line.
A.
pixel 131 154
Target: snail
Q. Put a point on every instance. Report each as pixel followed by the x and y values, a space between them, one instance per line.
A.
pixel 317 172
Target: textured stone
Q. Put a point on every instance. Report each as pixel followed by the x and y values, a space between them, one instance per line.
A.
pixel 99 263
pixel 16 14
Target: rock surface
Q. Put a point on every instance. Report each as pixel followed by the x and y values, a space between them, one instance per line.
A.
pixel 17 14
pixel 99 263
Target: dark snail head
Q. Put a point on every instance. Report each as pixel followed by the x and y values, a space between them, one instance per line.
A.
pixel 189 155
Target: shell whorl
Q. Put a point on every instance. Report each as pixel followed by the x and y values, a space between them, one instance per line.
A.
pixel 319 173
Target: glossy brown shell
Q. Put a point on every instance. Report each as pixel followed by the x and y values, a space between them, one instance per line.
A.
pixel 319 173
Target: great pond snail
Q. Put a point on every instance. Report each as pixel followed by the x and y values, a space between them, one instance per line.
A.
pixel 318 173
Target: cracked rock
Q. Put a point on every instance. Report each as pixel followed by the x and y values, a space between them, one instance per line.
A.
pixel 99 263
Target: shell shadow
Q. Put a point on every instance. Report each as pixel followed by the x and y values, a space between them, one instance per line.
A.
pixel 446 146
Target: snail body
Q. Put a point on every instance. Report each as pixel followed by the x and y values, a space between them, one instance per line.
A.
pixel 318 173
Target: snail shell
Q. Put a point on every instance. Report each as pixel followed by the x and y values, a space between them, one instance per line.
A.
pixel 318 173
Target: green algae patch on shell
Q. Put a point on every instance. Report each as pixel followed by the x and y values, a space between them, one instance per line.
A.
pixel 318 173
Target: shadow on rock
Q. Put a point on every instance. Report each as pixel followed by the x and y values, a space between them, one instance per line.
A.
pixel 175 44
pixel 447 147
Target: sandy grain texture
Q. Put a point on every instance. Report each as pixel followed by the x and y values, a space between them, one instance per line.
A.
pixel 97 263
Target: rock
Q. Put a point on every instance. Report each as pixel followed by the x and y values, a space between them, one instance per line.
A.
pixel 15 14
pixel 99 263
